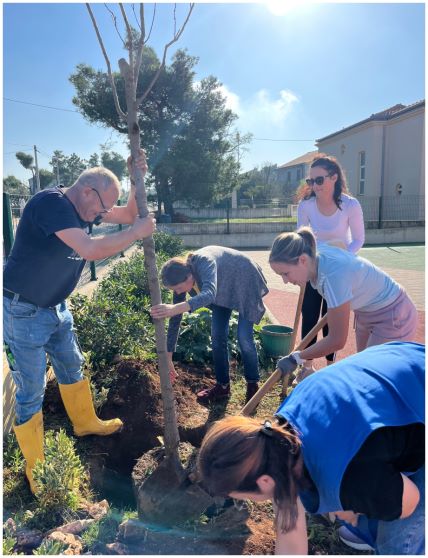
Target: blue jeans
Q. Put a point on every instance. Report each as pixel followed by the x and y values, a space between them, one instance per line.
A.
pixel 219 335
pixel 402 536
pixel 31 332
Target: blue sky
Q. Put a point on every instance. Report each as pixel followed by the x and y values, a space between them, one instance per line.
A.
pixel 298 75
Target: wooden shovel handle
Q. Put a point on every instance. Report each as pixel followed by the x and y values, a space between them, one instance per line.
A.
pixel 286 379
pixel 297 316
pixel 276 376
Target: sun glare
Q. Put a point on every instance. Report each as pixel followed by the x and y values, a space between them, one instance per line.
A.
pixel 281 7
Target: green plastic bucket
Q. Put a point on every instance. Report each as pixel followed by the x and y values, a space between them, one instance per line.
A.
pixel 276 340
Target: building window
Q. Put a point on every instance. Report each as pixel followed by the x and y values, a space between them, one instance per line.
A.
pixel 362 173
pixel 299 175
pixel 288 177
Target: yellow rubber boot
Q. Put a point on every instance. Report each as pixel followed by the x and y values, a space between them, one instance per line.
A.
pixel 30 440
pixel 78 403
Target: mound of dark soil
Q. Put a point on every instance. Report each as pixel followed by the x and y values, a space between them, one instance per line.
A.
pixel 134 397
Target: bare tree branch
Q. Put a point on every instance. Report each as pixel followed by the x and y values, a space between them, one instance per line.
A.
pixel 135 16
pixel 110 73
pixel 173 40
pixel 140 46
pixel 175 19
pixel 129 34
pixel 113 16
pixel 153 21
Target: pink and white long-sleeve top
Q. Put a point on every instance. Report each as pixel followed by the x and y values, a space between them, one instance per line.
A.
pixel 346 225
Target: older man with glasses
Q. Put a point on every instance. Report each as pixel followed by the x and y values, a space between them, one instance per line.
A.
pixel 47 259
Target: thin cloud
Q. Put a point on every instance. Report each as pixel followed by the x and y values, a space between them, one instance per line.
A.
pixel 261 111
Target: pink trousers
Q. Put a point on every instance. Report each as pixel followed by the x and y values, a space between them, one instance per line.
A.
pixel 396 322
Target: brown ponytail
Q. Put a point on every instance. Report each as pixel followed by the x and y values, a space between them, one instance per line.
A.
pixel 237 450
pixel 288 247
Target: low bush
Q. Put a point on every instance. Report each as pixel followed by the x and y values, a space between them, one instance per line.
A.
pixel 61 481
pixel 116 320
pixel 194 341
pixel 50 548
pixel 168 244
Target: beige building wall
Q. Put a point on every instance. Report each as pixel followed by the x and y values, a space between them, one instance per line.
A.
pixel 347 146
pixel 402 141
pixel 404 154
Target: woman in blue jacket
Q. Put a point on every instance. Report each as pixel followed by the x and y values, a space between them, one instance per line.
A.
pixel 349 440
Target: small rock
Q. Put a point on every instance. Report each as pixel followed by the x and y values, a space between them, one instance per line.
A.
pixel 99 509
pixel 231 520
pixel 73 543
pixel 117 548
pixel 132 531
pixel 75 527
pixel 29 538
pixel 9 526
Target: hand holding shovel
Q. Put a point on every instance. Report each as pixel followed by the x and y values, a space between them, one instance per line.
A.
pixel 277 375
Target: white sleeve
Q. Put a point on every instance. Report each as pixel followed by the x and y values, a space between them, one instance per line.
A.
pixel 356 226
pixel 302 215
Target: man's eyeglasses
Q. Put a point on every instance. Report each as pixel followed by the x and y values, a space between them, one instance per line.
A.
pixel 319 180
pixel 104 210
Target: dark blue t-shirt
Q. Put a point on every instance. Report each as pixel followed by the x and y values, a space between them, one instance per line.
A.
pixel 41 267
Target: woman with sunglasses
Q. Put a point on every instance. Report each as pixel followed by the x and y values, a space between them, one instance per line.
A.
pixel 335 217
pixel 335 450
pixel 383 310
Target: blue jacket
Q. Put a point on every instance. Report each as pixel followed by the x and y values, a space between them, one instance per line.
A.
pixel 336 409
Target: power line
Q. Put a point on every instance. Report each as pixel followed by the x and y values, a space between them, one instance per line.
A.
pixel 37 105
pixel 270 139
pixel 21 144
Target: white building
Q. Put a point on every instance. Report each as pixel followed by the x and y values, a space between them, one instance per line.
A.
pixel 289 175
pixel 384 157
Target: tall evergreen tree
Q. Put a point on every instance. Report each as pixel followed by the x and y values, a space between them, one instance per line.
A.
pixel 185 127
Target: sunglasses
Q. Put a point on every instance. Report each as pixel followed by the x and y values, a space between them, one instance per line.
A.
pixel 319 180
pixel 105 210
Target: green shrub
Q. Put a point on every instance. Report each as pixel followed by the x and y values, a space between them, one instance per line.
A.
pixel 12 456
pixel 194 340
pixel 50 547
pixel 103 531
pixel 116 320
pixel 170 245
pixel 60 479
pixel 108 327
pixel 8 544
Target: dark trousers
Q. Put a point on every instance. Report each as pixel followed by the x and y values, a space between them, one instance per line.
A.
pixel 219 336
pixel 313 302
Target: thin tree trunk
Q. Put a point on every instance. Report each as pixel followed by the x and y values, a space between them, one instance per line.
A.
pixel 171 435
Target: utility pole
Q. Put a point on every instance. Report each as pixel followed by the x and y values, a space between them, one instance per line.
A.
pixel 57 172
pixel 37 170
pixel 235 191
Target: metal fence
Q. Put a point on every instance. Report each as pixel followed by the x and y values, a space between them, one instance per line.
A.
pixel 379 212
pixel 13 206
